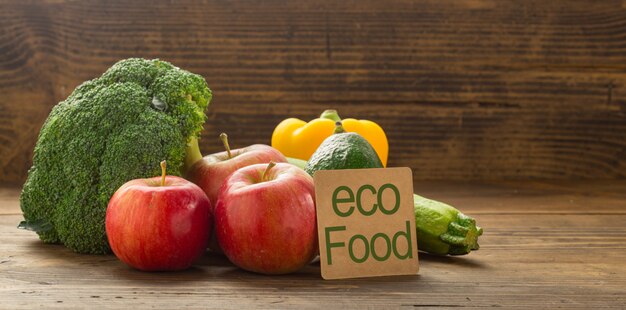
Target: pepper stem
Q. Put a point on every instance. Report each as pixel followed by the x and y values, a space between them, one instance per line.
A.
pixel 269 166
pixel 331 115
pixel 163 172
pixel 339 128
pixel 224 138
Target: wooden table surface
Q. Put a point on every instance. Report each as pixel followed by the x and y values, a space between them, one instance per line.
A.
pixel 546 245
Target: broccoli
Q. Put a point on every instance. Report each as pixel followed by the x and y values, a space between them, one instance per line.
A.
pixel 110 130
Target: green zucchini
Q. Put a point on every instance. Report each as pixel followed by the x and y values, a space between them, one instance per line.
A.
pixel 442 229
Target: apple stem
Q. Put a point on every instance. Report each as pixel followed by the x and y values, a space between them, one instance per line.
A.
pixel 339 128
pixel 163 171
pixel 224 138
pixel 269 166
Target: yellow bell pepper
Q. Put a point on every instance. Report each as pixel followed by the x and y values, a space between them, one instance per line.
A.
pixel 298 139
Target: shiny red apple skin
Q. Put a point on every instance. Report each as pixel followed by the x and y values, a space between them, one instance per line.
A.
pixel 159 228
pixel 268 227
pixel 210 172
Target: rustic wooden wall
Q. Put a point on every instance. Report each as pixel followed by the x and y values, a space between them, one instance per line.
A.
pixel 474 89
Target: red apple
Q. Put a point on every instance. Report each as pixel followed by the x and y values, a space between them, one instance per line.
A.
pixel 210 172
pixel 159 224
pixel 265 218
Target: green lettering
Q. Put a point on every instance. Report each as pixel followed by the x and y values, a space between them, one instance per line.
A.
pixel 358 200
pixel 337 200
pixel 387 242
pixel 407 236
pixel 380 198
pixel 351 251
pixel 330 245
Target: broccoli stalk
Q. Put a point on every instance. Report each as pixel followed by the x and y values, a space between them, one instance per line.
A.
pixel 192 153
pixel 110 130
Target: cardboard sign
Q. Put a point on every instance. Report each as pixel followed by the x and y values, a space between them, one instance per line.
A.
pixel 365 221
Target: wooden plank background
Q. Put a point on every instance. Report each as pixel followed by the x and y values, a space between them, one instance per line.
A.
pixel 474 89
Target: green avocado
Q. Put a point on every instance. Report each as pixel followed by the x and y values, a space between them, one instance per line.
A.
pixel 343 150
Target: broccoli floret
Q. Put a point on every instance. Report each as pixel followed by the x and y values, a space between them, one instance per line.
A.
pixel 110 130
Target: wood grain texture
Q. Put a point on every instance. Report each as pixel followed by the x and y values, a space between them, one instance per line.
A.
pixel 546 245
pixel 473 89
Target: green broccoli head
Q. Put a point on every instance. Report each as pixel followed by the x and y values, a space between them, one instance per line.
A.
pixel 108 131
